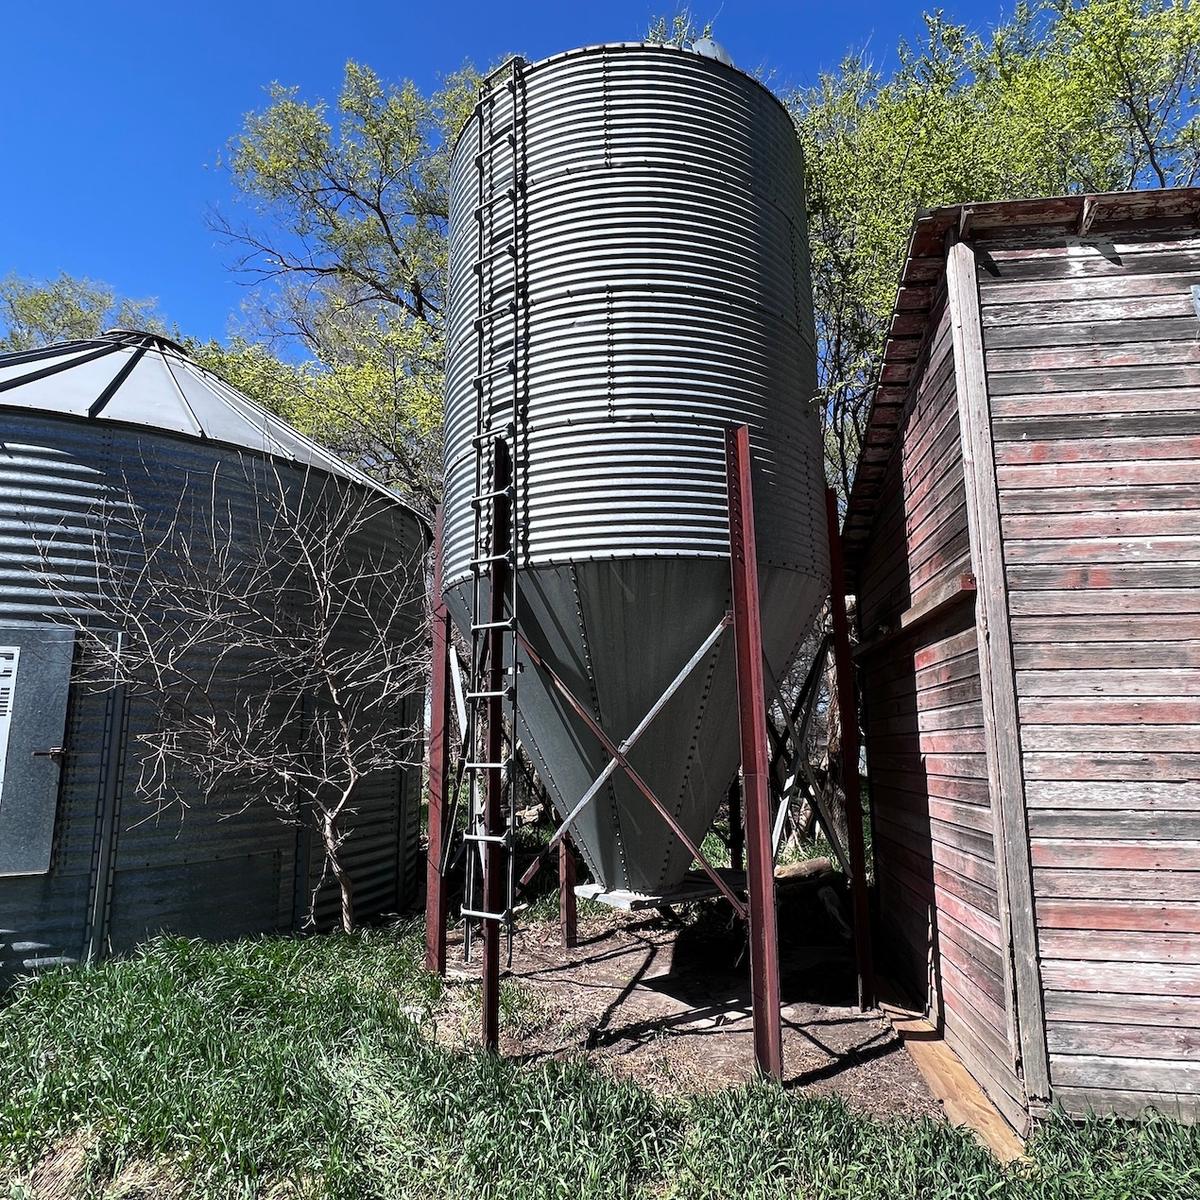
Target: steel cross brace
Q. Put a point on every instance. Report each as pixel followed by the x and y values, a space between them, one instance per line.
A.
pixel 619 760
pixel 798 763
pixel 644 724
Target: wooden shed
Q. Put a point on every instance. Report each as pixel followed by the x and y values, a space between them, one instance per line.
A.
pixel 1024 539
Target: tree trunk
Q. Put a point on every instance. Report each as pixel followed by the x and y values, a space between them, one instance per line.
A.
pixel 333 857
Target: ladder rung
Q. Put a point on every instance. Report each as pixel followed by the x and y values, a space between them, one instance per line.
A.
pixel 482 914
pixel 476 501
pixel 493 839
pixel 503 694
pixel 492 314
pixel 509 195
pixel 491 558
pixel 485 766
pixel 489 435
pixel 504 139
pixel 483 625
pixel 503 369
pixel 509 248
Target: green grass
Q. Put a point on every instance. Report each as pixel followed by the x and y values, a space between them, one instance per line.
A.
pixel 308 1068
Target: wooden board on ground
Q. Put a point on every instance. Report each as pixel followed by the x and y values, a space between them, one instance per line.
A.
pixel 963 1100
pixel 696 886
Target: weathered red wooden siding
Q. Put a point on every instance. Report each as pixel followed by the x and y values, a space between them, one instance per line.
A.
pixel 1094 381
pixel 934 855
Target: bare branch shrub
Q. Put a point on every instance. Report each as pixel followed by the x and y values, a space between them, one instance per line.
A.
pixel 271 621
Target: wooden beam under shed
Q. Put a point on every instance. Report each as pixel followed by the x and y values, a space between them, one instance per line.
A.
pixel 962 1099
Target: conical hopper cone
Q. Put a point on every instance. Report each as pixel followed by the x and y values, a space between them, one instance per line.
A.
pixel 617 632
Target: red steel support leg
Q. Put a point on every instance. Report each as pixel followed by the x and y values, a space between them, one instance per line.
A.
pixel 737 832
pixel 439 768
pixel 848 723
pixel 566 894
pixel 752 706
pixel 493 816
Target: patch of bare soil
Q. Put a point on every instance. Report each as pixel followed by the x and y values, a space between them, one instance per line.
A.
pixel 665 1001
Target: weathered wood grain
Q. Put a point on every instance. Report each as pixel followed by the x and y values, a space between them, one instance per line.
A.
pixel 1125 1103
pixel 1121 945
pixel 1098 1071
pixel 1087 883
pixel 1100 473
pixel 1075 404
pixel 1123 978
pixel 1096 711
pixel 1124 1041
pixel 1082 853
pixel 1123 355
pixel 1107 794
pixel 1106 739
pixel 1129 824
pixel 1146 450
pixel 1137 768
pixel 1150 575
pixel 1026 1035
pixel 1105 1008
pixel 1038 312
pixel 1102 601
pixel 1121 330
pixel 1150 916
pixel 1106 627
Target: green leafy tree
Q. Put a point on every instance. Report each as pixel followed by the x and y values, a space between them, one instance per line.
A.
pixel 1062 98
pixel 37 312
pixel 347 229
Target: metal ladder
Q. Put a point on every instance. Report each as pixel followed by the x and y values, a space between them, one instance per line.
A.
pixel 491 692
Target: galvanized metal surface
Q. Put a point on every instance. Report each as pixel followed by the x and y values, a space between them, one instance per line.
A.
pixel 33 701
pixel 664 259
pixel 121 872
pixel 125 377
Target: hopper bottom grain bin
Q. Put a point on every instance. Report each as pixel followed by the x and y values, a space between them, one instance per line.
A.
pixel 629 275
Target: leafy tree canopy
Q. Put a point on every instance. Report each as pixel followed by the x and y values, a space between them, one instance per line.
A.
pixel 35 312
pixel 345 221
pixel 1065 97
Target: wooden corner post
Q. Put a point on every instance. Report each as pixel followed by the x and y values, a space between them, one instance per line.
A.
pixel 752 709
pixel 438 767
pixel 847 709
pixel 1006 777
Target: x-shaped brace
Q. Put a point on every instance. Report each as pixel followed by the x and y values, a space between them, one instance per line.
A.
pixel 617 755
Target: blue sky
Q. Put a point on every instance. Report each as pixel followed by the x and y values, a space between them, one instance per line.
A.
pixel 113 116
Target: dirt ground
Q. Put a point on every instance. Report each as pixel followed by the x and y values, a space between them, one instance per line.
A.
pixel 665 1001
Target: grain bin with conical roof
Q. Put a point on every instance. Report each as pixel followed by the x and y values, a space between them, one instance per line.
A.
pixel 656 268
pixel 129 421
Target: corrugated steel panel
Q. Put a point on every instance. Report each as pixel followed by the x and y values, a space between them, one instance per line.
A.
pixel 220 868
pixel 664 260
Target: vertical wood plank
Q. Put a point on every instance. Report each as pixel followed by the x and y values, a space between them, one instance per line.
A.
pixel 1002 738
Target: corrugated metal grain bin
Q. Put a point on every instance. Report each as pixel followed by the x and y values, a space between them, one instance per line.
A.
pixel 85 865
pixel 1024 532
pixel 661 265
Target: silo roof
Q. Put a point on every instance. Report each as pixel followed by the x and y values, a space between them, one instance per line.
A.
pixel 131 377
